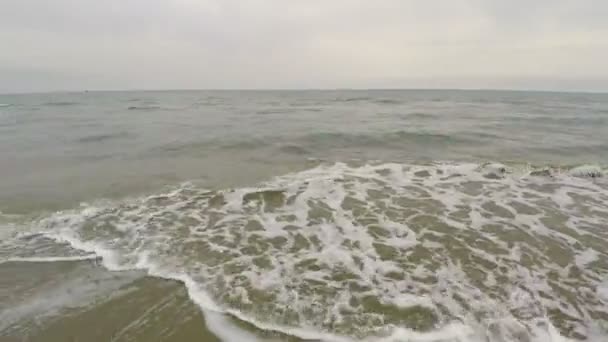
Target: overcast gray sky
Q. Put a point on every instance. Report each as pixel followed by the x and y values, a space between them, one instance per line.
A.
pixel 181 44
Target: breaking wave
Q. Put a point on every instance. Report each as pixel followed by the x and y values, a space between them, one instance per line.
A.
pixel 383 252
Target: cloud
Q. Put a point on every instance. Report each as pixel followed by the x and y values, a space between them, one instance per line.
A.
pixel 151 44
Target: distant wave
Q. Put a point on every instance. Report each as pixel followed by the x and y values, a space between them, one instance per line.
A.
pixel 208 103
pixel 294 149
pixel 61 103
pixel 273 111
pixel 102 137
pixel 244 144
pixel 419 115
pixel 387 101
pixel 368 99
pixel 144 108
pixel 353 99
pixel 308 143
pixel 5 105
pixel 571 149
pixel 396 138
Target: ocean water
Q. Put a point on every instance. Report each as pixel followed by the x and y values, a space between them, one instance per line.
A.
pixel 305 215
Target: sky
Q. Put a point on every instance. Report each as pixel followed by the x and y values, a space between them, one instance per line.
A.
pixel 54 45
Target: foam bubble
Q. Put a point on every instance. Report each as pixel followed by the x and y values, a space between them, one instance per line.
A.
pixel 440 252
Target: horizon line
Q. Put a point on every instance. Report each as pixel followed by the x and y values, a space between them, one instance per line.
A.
pixel 118 90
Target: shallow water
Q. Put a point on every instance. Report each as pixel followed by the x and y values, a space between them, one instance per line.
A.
pixel 337 215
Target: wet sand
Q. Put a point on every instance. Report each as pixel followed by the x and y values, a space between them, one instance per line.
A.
pixel 122 306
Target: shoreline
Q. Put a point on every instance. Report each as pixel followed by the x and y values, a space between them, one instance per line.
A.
pixel 141 308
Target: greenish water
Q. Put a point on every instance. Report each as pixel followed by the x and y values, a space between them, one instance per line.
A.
pixel 321 215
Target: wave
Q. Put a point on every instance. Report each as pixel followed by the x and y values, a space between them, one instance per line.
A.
pixel 382 101
pixel 222 327
pixel 354 99
pixel 5 105
pixel 527 170
pixel 388 101
pixel 50 258
pixel 420 115
pixel 103 137
pixel 61 103
pixel 589 171
pixel 378 252
pixel 309 144
pixel 578 171
pixel 294 150
pixel 396 139
pixel 274 111
pixel 144 108
pixel 228 331
pixel 250 144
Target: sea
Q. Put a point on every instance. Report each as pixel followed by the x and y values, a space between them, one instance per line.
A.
pixel 342 215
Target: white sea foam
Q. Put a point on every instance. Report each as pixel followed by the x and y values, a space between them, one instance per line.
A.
pixel 406 300
pixel 602 290
pixel 592 171
pixel 51 258
pixel 586 257
pixel 335 249
pixel 221 326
